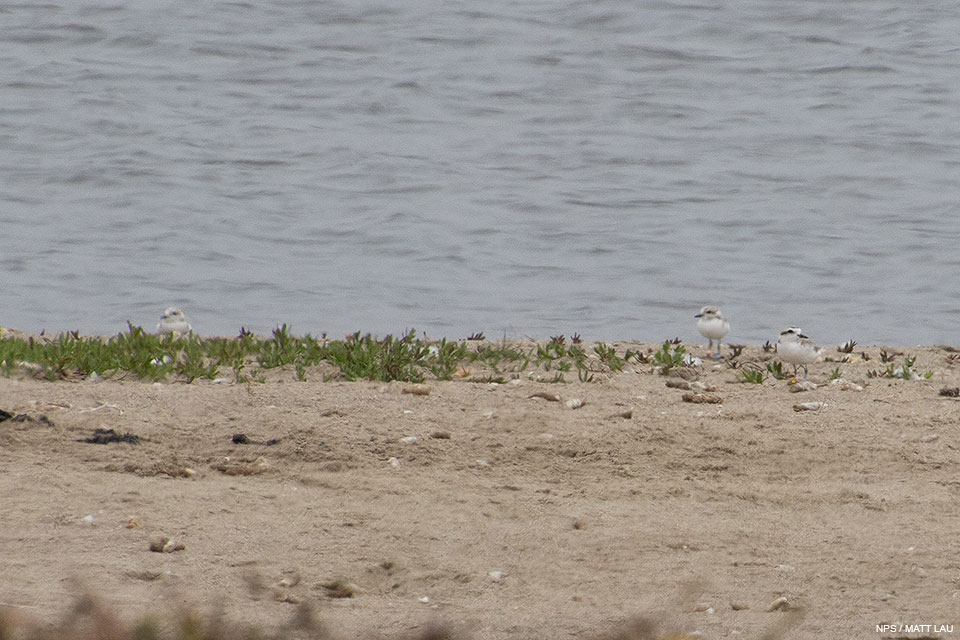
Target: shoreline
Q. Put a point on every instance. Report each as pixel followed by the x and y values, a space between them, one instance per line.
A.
pixel 517 508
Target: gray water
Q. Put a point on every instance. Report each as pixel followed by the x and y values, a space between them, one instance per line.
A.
pixel 521 168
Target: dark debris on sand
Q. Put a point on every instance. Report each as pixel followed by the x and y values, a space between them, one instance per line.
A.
pixel 22 417
pixel 106 436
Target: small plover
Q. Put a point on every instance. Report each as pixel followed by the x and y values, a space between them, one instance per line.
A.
pixel 712 326
pixel 795 348
pixel 173 321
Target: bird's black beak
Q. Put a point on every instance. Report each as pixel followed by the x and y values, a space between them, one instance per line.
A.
pixel 800 335
pixel 699 315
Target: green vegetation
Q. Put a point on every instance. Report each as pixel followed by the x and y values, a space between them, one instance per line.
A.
pixel 668 357
pixel 140 355
pixel 903 372
pixel 776 370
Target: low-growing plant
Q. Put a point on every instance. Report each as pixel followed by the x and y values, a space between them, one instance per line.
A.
pixel 847 347
pixel 444 358
pixel 667 358
pixel 775 369
pixel 639 356
pixel 387 359
pixel 608 356
pixel 753 376
pixel 904 371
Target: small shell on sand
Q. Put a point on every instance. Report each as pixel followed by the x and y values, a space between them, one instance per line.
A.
pixel 417 390
pixel 546 395
pixel 702 398
pixel 166 545
pixel 339 589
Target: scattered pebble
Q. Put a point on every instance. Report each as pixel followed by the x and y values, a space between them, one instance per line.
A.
pixel 930 438
pixel 424 599
pixel 290 580
pixel 678 384
pixel 282 596
pixel 417 390
pixel 846 385
pixel 133 522
pixel 94 377
pixel 339 589
pixel 780 604
pixel 440 435
pixel 574 403
pixel 809 406
pixel 739 606
pixel 546 395
pixel 702 398
pixel 87 519
pixel 796 386
pixel 166 545
pixel 950 392
pixel 408 440
pixel 496 575
pixel 394 462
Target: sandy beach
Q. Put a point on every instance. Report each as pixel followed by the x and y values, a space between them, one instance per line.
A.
pixel 504 510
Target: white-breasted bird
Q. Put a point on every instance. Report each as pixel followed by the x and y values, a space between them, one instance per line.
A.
pixel 797 349
pixel 712 325
pixel 173 321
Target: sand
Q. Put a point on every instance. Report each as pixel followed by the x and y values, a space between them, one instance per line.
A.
pixel 505 515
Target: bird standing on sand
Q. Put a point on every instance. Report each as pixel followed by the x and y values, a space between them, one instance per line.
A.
pixel 712 326
pixel 173 321
pixel 797 349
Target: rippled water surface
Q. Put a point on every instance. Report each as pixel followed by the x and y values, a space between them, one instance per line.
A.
pixel 521 168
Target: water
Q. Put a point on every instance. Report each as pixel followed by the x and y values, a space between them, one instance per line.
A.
pixel 520 168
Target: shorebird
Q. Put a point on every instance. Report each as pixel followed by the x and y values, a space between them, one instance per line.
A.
pixel 797 349
pixel 173 321
pixel 712 326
